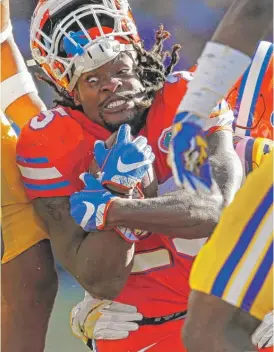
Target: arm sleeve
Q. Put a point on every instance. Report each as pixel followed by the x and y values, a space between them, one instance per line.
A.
pixel 50 157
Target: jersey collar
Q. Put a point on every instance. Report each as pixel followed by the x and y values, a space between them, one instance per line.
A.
pixel 89 126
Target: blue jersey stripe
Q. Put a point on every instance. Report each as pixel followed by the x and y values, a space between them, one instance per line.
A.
pixel 241 92
pixel 15 128
pixel 32 160
pixel 241 246
pixel 258 87
pixel 46 187
pixel 258 279
pixel 248 155
pixel 272 119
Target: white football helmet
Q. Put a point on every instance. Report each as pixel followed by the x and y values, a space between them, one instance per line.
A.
pixel 70 37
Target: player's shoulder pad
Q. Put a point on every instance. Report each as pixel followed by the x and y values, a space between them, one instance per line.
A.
pixel 51 134
pixel 175 88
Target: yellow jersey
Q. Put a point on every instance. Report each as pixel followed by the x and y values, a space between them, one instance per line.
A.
pixel 21 228
pixel 236 264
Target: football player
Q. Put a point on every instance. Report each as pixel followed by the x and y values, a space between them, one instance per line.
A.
pixel 214 325
pixel 28 277
pixel 233 290
pixel 251 152
pixel 84 324
pixel 222 61
pixel 93 55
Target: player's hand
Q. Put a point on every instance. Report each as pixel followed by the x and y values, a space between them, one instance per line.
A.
pixel 89 207
pixel 188 156
pixel 103 319
pixel 125 164
pixel 263 336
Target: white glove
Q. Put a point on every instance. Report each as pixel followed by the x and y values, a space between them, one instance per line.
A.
pixel 103 319
pixel 263 336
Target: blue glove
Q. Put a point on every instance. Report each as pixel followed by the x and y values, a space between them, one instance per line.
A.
pixel 89 207
pixel 125 164
pixel 188 156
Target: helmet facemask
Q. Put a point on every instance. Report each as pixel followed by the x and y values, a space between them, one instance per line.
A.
pixel 77 36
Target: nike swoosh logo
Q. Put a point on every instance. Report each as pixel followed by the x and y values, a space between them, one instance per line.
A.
pixel 121 167
pixel 146 348
pixel 89 212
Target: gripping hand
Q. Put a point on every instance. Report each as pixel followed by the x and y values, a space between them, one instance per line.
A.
pixel 125 164
pixel 188 155
pixel 103 319
pixel 89 207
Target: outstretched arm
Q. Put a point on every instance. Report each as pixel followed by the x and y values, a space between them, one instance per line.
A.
pixel 226 165
pixel 181 213
pixel 244 24
pixel 19 98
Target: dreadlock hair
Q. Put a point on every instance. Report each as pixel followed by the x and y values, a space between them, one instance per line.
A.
pixel 151 70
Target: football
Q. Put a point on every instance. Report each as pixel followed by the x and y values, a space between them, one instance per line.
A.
pixel 149 182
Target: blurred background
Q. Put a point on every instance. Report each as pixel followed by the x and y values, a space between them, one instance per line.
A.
pixel 190 22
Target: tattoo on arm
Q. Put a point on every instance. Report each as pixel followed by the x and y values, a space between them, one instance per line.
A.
pixel 83 254
pixel 56 207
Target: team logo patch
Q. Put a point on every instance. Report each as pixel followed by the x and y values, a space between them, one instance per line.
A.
pixel 164 140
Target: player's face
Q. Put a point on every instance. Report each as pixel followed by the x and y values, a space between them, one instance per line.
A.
pixel 110 94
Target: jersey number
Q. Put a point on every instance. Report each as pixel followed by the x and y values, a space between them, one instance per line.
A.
pixel 45 118
pixel 161 258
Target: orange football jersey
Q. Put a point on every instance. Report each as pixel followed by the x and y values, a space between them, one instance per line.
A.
pixel 55 147
pixel 251 98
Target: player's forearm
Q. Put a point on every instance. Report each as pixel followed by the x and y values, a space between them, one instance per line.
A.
pixel 103 263
pixel 179 214
pixel 100 261
pixel 213 325
pixel 244 24
pixel 20 109
pixel 5 14
pixel 20 100
pixel 228 175
pixel 226 165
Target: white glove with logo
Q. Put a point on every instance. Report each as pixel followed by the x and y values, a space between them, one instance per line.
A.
pixel 103 319
pixel 263 336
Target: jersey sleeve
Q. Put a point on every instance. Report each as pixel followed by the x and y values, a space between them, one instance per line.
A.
pixel 174 91
pixel 50 151
pixel 175 88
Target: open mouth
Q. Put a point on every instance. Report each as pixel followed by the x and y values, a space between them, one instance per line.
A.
pixel 117 106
